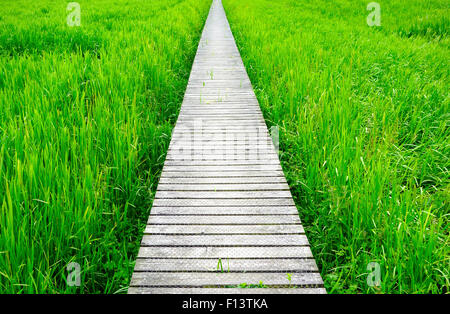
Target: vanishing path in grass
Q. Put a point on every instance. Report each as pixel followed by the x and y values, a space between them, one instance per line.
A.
pixel 223 215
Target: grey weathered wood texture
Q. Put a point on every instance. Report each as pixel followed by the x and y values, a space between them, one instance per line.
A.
pixel 223 214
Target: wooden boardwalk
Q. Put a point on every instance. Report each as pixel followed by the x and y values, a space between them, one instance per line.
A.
pixel 223 214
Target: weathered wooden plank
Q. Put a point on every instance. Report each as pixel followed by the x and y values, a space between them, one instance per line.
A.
pixel 200 174
pixel 225 202
pixel 230 131
pixel 221 220
pixel 239 210
pixel 221 194
pixel 216 108
pixel 243 131
pixel 212 91
pixel 195 142
pixel 229 148
pixel 217 74
pixel 230 180
pixel 222 115
pixel 225 252
pixel 224 279
pixel 230 96
pixel 211 157
pixel 216 153
pixel 196 138
pixel 247 125
pixel 228 52
pixel 192 140
pixel 198 143
pixel 225 240
pixel 223 187
pixel 202 81
pixel 179 290
pixel 227 265
pixel 214 136
pixel 198 123
pixel 256 129
pixel 197 101
pixel 219 84
pixel 195 105
pixel 244 162
pixel 239 128
pixel 230 67
pixel 217 112
pixel 225 116
pixel 220 139
pixel 203 124
pixel 225 147
pixel 223 229
pixel 201 98
pixel 214 139
pixel 216 62
pixel 226 119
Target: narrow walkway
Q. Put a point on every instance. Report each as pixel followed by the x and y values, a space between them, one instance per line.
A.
pixel 223 216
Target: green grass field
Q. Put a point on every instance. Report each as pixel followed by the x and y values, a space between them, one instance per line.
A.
pixel 364 131
pixel 85 120
pixel 86 115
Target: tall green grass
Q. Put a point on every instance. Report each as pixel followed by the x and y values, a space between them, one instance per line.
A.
pixel 364 131
pixel 85 120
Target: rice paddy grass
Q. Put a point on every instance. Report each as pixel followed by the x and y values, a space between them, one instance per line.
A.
pixel 363 114
pixel 85 120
